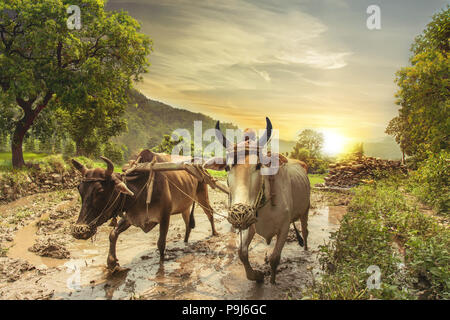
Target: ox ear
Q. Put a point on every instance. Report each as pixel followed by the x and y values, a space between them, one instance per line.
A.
pixel 124 189
pixel 217 163
pixel 79 166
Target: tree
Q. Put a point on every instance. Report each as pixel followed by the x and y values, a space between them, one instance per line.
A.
pixel 424 89
pixel 299 153
pixel 42 61
pixel 167 144
pixel 310 140
pixel 396 128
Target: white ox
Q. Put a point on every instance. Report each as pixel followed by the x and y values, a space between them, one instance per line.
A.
pixel 291 188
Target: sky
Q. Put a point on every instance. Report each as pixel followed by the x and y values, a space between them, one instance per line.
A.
pixel 304 64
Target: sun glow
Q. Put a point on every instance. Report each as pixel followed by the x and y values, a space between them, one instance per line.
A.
pixel 334 143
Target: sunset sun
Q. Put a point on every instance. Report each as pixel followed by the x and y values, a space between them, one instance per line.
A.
pixel 334 143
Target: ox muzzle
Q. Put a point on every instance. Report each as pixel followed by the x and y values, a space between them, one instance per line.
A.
pixel 241 216
pixel 82 231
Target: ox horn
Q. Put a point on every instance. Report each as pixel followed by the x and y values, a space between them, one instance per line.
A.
pixel 221 137
pixel 267 134
pixel 109 171
pixel 79 166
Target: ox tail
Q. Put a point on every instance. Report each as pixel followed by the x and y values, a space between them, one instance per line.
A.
pixel 299 237
pixel 191 217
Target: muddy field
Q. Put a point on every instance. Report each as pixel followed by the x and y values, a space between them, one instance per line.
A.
pixel 40 260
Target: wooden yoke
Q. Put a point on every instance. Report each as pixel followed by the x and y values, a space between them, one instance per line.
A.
pixel 194 169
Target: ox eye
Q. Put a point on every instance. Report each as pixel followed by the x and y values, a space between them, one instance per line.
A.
pixel 227 168
pixel 258 166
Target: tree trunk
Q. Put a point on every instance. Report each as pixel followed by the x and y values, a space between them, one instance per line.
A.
pixel 16 146
pixel 23 125
pixel 19 133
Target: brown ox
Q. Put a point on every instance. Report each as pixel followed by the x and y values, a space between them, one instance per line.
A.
pixel 106 194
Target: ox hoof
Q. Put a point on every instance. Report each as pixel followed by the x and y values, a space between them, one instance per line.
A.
pixel 117 270
pixel 257 276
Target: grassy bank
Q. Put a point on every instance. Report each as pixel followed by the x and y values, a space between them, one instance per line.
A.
pixel 385 228
pixel 316 178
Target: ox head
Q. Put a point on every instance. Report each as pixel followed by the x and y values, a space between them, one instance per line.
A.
pixel 98 189
pixel 244 180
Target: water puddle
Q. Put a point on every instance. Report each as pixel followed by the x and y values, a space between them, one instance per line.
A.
pixel 205 268
pixel 24 239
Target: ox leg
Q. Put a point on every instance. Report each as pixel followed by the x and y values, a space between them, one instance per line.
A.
pixel 203 200
pixel 274 259
pixel 304 222
pixel 114 234
pixel 247 237
pixel 163 229
pixel 187 221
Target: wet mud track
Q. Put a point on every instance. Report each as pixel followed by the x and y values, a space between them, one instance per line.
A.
pixel 207 267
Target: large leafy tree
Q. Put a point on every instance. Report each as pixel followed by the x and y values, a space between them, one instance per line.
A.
pixel 44 64
pixel 309 144
pixel 423 122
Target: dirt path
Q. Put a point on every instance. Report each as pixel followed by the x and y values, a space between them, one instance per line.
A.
pixel 205 268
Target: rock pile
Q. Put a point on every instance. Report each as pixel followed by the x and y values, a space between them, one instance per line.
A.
pixel 347 174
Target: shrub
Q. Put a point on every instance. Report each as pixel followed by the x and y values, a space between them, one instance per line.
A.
pixel 85 161
pixel 428 259
pixel 378 215
pixel 430 183
pixel 113 152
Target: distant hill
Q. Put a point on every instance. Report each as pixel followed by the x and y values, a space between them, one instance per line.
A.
pixel 149 120
pixel 385 148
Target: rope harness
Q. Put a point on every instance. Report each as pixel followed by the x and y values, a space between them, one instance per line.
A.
pixel 241 216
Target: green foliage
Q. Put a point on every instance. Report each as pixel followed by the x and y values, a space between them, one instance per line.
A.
pixel 218 174
pixel 85 73
pixel 30 144
pixel 429 263
pixel 85 161
pixel 310 140
pixel 52 163
pixel 424 89
pixel 4 145
pixel 430 183
pixel 113 152
pixel 149 121
pixel 167 144
pixel 307 149
pixel 377 216
pixel 69 149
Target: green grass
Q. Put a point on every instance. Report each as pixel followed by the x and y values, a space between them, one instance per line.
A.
pixel 377 216
pixel 316 178
pixel 218 174
pixel 5 158
pixel 313 178
pixel 6 164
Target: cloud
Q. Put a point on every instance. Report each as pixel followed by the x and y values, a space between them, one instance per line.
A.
pixel 304 63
